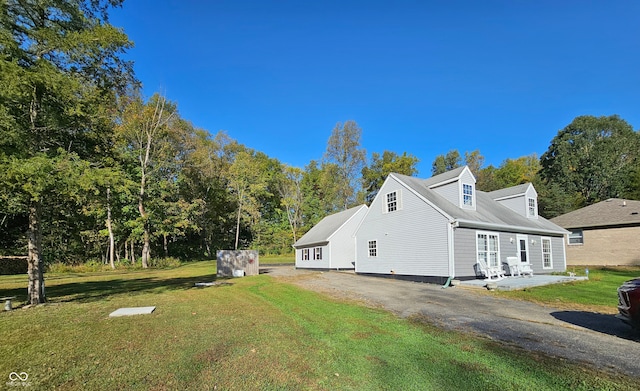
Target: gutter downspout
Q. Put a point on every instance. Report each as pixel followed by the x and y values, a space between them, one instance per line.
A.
pixel 450 247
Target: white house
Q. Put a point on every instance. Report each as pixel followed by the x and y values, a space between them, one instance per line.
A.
pixel 330 244
pixel 442 227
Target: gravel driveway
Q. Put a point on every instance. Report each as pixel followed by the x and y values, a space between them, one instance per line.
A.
pixel 597 339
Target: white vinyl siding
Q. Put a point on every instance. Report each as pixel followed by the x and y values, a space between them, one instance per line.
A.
pixel 410 241
pixel 339 250
pixel 488 248
pixel 547 253
pixel 450 191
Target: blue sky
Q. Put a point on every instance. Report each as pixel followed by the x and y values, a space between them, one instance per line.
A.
pixel 421 77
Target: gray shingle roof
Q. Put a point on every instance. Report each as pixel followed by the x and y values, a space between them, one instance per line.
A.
pixel 509 191
pixel 612 212
pixel 489 213
pixel 444 177
pixel 322 232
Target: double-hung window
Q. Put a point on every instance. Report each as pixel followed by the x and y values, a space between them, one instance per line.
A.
pixel 317 253
pixel 305 254
pixel 488 248
pixel 531 203
pixel 547 260
pixel 373 248
pixel 467 194
pixel 391 201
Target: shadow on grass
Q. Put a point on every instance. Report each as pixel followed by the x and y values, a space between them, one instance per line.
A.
pixel 88 291
pixel 602 323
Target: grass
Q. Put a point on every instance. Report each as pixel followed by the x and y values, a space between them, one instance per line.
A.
pixel 250 333
pixel 277 259
pixel 598 294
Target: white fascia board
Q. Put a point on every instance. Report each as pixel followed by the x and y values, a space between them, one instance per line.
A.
pixel 510 228
pixel 310 245
pixel 510 196
pixel 444 182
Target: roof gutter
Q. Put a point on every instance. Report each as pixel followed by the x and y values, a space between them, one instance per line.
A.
pixel 309 245
pixel 510 228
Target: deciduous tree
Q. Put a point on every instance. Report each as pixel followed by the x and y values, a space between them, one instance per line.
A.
pixel 381 166
pixel 247 184
pixel 448 162
pixel 60 67
pixel 345 152
pixel 290 189
pixel 592 157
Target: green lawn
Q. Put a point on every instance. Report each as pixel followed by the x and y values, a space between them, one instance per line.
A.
pixel 598 294
pixel 277 259
pixel 251 333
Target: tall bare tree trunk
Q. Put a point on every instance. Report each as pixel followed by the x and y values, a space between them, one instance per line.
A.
pixel 143 214
pixel 133 253
pixel 112 241
pixel 146 247
pixel 35 264
pixel 238 225
pixel 165 245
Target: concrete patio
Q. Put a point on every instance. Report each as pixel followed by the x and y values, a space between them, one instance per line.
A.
pixel 516 283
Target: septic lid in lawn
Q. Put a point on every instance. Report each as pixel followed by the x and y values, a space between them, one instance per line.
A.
pixel 132 311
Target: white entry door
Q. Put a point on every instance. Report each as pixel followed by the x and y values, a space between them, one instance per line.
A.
pixel 523 250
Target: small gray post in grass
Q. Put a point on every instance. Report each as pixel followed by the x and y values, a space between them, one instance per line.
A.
pixel 7 302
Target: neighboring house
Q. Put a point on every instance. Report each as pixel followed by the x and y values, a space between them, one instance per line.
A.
pixel 606 233
pixel 442 227
pixel 330 244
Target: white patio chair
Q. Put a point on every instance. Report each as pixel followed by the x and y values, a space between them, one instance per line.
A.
pixel 525 268
pixel 514 266
pixel 490 271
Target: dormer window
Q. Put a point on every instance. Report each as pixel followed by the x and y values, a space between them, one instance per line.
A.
pixel 467 194
pixel 531 206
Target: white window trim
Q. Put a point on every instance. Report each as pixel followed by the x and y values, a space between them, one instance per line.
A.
pixel 473 196
pixel 304 252
pixel 535 208
pixel 575 244
pixel 385 204
pixel 369 248
pixel 316 251
pixel 497 235
pixel 526 243
pixel 542 239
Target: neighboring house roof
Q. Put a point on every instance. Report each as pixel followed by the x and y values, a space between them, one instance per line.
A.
pixel 489 214
pixel 322 232
pixel 612 212
pixel 510 191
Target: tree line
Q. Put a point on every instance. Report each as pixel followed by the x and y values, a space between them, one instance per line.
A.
pixel 590 160
pixel 91 169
